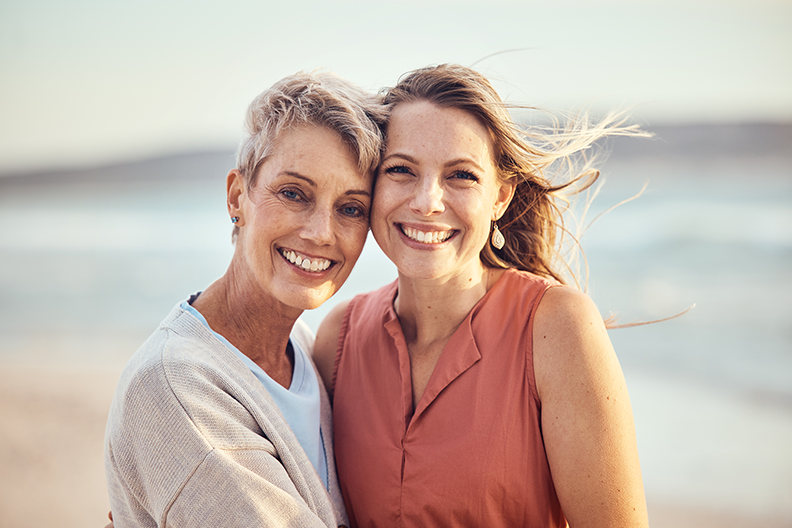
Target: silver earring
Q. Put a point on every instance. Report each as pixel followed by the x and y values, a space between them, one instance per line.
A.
pixel 234 219
pixel 497 238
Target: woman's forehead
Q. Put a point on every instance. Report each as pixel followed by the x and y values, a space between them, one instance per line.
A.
pixel 424 127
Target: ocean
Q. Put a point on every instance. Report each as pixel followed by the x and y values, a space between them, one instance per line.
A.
pixel 91 261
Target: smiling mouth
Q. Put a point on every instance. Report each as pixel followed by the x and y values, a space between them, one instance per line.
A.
pixel 314 265
pixel 426 237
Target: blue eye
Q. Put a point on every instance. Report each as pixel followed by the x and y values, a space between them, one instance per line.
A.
pixel 397 169
pixel 291 194
pixel 352 210
pixel 465 175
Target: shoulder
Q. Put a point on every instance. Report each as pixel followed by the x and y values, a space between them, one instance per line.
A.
pixel 362 313
pixel 587 422
pixel 331 325
pixel 326 344
pixel 514 297
pixel 147 383
pixel 180 366
pixel 566 309
pixel 569 339
pixel 189 388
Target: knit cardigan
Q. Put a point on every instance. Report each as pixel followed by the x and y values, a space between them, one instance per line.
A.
pixel 194 439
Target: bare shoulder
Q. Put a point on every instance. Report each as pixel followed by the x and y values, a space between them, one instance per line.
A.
pixel 586 414
pixel 326 343
pixel 566 309
pixel 569 335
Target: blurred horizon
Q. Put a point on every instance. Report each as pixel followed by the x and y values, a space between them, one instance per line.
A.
pixel 674 140
pixel 89 83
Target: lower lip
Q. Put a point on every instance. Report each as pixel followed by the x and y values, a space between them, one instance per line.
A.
pixel 423 245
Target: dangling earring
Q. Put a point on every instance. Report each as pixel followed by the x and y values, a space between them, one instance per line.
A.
pixel 497 238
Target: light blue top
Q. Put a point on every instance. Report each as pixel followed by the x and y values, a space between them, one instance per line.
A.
pixel 299 404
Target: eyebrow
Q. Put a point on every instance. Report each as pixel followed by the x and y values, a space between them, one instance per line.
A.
pixel 402 156
pixel 457 161
pixel 312 183
pixel 306 179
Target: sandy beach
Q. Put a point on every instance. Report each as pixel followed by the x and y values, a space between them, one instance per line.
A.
pixel 51 443
pixel 53 422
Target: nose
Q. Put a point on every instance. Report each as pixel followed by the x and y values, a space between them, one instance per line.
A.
pixel 427 199
pixel 318 227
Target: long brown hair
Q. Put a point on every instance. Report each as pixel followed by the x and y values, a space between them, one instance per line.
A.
pixel 542 162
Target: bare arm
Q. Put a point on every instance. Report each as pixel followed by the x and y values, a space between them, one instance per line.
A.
pixel 587 419
pixel 326 343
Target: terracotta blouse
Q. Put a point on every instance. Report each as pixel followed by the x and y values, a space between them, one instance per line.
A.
pixel 471 453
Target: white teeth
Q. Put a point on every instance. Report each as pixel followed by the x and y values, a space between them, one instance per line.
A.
pixel 318 264
pixel 431 237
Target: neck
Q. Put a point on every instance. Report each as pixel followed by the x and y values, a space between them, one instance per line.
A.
pixel 431 310
pixel 237 308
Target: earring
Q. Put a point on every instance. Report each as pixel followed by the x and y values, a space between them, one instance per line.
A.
pixel 234 219
pixel 497 238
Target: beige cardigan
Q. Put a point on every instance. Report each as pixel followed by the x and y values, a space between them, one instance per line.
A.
pixel 194 439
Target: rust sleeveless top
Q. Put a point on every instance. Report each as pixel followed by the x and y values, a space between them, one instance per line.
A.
pixel 471 453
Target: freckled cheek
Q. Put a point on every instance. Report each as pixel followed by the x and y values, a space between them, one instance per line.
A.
pixel 357 242
pixel 375 220
pixel 385 204
pixel 379 227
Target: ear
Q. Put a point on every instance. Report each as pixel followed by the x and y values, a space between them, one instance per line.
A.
pixel 504 198
pixel 236 194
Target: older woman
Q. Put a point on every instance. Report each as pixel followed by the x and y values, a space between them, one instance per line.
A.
pixel 219 418
pixel 477 389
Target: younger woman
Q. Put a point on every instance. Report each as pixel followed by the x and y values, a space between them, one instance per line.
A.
pixel 477 389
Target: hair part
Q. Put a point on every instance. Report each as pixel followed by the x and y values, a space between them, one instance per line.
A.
pixel 319 99
pixel 545 165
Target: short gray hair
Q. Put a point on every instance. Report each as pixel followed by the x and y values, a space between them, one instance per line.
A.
pixel 317 98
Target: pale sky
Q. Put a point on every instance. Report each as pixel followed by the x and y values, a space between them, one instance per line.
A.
pixel 85 82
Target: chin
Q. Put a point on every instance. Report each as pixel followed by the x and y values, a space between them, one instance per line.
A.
pixel 312 305
pixel 416 269
pixel 314 299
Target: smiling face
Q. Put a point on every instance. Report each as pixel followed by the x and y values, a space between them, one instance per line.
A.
pixel 437 192
pixel 303 225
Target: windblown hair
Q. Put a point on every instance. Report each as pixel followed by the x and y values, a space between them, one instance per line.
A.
pixel 318 98
pixel 546 165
